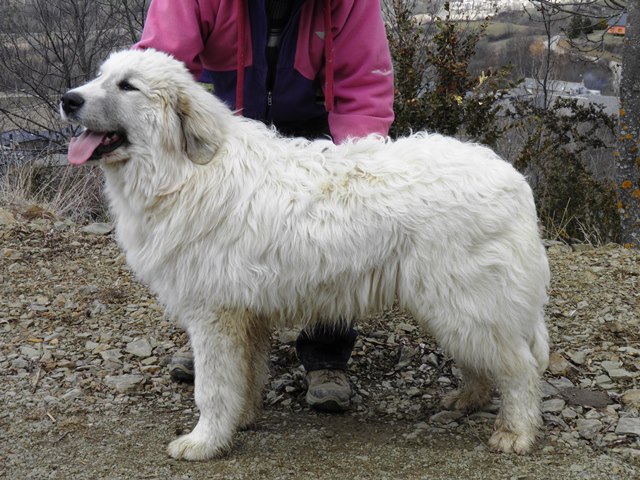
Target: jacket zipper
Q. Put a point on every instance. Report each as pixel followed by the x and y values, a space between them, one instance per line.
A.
pixel 294 12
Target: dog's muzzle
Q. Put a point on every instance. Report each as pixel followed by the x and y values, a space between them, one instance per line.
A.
pixel 71 103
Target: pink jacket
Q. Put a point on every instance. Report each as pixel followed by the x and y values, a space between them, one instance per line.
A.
pixel 353 65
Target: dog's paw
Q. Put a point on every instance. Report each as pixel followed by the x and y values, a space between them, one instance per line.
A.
pixel 195 447
pixel 466 400
pixel 510 442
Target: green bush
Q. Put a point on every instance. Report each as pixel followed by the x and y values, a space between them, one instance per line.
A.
pixel 435 90
pixel 572 204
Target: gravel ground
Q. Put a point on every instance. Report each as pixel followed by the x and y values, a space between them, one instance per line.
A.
pixel 85 390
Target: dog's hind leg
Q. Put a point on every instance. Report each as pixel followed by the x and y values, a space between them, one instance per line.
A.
pixel 518 379
pixel 222 351
pixel 493 350
pixel 508 360
pixel 474 394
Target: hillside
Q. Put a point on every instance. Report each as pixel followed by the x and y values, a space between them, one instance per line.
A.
pixel 86 394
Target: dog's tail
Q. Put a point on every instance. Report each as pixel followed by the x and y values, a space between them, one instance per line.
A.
pixel 539 344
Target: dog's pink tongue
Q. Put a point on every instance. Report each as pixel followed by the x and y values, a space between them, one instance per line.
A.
pixel 82 147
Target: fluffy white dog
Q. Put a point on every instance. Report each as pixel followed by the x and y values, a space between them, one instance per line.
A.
pixel 237 229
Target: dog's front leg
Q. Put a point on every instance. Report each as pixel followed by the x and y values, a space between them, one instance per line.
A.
pixel 221 369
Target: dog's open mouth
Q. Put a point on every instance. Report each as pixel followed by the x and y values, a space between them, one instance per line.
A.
pixel 91 145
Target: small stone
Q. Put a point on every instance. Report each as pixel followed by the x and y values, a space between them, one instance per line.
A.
pixel 553 405
pixel 406 355
pixel 548 390
pixel 609 365
pixel 558 365
pixel 628 426
pixel 603 381
pixel 112 355
pixel 123 383
pixel 98 228
pixel 585 397
pixel 588 428
pixel 619 374
pixel 631 397
pixel 149 361
pixel 578 357
pixel 140 347
pixel 569 413
pixel 30 352
pixel 288 336
pixel 71 395
pixel 405 327
pixel 413 392
pixel 446 417
pixel 561 383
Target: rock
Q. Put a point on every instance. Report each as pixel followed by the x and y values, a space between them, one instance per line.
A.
pixel 578 357
pixel 405 327
pixel 631 398
pixel 288 336
pixel 123 383
pixel 610 365
pixel 30 352
pixel 628 426
pixel 558 365
pixel 406 355
pixel 588 428
pixel 72 395
pixel 112 355
pixel 140 347
pixel 547 389
pixel 446 416
pixel 569 413
pixel 98 228
pixel 550 419
pixel 603 381
pixel 413 392
pixel 553 405
pixel 619 374
pixel 585 397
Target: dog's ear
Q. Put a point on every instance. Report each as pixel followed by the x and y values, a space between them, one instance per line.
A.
pixel 201 129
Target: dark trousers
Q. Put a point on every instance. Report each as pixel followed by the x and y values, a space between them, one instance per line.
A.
pixel 326 346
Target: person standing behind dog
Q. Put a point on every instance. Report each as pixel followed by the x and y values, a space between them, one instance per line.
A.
pixel 311 68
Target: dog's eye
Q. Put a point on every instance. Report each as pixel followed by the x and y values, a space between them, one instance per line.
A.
pixel 124 85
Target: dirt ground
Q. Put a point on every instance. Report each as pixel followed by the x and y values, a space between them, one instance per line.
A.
pixel 85 393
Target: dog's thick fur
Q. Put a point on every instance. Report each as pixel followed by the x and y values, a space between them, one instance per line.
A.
pixel 238 230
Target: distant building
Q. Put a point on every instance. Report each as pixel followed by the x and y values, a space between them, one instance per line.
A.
pixel 531 89
pixel 618 26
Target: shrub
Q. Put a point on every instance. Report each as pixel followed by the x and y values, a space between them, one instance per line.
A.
pixel 572 204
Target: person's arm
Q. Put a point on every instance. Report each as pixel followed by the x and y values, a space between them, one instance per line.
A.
pixel 177 27
pixel 363 75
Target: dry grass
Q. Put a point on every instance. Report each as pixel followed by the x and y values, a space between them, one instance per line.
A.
pixel 69 192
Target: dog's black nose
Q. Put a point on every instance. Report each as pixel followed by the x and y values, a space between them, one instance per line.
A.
pixel 71 102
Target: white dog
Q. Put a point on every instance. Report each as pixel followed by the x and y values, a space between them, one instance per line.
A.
pixel 237 229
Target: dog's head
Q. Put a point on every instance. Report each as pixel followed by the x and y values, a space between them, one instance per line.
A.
pixel 141 102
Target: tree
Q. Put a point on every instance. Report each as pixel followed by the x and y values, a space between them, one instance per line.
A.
pixel 627 159
pixel 575 28
pixel 627 156
pixel 51 46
